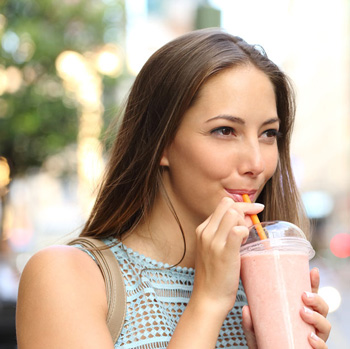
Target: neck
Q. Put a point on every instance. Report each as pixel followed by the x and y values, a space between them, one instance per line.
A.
pixel 159 237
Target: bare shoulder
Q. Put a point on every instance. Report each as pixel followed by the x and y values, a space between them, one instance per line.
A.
pixel 62 301
pixel 61 267
pixel 60 259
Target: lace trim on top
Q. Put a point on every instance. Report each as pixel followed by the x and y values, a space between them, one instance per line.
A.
pixel 157 297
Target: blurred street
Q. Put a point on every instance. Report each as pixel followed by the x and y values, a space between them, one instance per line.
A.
pixel 65 68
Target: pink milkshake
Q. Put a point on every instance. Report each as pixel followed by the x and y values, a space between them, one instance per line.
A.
pixel 275 273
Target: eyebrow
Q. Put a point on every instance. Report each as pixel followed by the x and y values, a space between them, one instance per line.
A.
pixel 241 121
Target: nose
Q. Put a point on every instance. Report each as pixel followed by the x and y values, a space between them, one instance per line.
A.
pixel 252 162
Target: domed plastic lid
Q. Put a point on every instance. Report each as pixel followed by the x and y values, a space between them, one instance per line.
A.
pixel 281 235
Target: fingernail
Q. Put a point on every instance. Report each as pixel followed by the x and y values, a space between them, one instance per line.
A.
pixel 308 310
pixel 259 205
pixel 314 336
pixel 309 294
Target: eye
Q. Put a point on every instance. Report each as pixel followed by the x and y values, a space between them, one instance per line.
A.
pixel 270 136
pixel 272 133
pixel 223 131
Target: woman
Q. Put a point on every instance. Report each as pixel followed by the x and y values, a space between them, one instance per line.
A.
pixel 208 118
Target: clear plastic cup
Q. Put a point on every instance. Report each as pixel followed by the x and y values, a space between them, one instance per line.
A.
pixel 275 273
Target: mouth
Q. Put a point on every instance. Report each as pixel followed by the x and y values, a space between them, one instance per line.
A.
pixel 236 194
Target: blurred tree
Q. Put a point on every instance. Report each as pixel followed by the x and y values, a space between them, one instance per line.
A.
pixel 207 16
pixel 38 117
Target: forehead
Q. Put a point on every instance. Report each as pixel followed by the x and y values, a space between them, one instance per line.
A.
pixel 241 89
pixel 238 78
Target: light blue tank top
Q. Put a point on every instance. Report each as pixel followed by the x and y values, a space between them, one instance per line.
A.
pixel 157 297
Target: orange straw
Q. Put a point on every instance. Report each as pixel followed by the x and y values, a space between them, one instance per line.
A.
pixel 255 219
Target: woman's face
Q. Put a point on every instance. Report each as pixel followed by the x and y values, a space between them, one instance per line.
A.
pixel 226 144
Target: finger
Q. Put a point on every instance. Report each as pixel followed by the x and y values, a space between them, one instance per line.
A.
pixel 315 279
pixel 248 208
pixel 321 324
pixel 203 225
pixel 210 225
pixel 316 302
pixel 214 220
pixel 237 236
pixel 253 208
pixel 248 221
pixel 316 342
pixel 247 321
pixel 231 220
pixel 248 328
pixel 249 211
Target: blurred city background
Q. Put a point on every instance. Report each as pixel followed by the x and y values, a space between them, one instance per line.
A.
pixel 65 68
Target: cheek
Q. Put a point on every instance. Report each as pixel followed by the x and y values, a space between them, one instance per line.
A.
pixel 208 163
pixel 198 170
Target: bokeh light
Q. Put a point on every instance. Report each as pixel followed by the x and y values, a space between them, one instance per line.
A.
pixel 318 204
pixel 11 79
pixel 14 79
pixel 10 42
pixel 90 159
pixel 70 65
pixel 25 50
pixel 80 78
pixel 340 245
pixel 83 83
pixel 109 60
pixel 332 297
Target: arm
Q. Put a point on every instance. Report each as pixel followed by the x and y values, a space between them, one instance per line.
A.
pixel 62 302
pixel 217 275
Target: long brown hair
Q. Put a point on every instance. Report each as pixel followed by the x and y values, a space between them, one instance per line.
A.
pixel 165 88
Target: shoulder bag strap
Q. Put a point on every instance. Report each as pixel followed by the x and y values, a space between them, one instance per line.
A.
pixel 115 287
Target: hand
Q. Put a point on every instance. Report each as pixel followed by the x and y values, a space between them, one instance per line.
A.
pixel 217 262
pixel 315 312
pixel 219 239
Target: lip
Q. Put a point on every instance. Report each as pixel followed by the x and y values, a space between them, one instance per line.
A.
pixel 236 194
